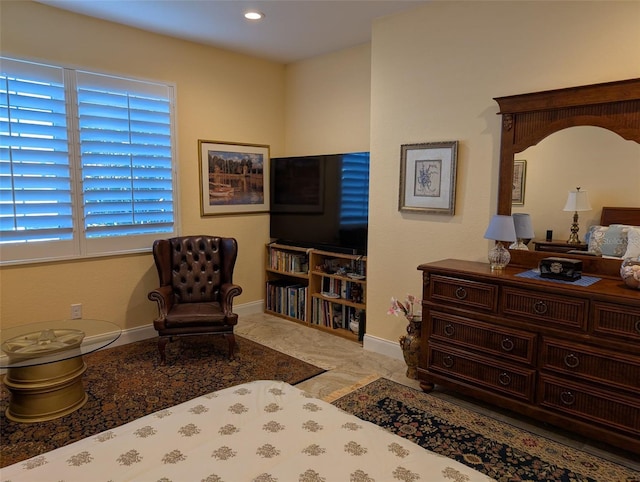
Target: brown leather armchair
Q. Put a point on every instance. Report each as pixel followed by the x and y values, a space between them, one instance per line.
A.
pixel 196 290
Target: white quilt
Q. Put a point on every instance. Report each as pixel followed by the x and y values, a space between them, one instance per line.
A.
pixel 260 431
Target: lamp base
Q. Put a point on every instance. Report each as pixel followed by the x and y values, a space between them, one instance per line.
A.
pixel 519 244
pixel 573 238
pixel 499 256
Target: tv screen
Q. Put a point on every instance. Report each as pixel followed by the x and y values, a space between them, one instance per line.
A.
pixel 321 201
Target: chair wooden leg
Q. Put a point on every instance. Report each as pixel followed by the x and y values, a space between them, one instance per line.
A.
pixel 231 340
pixel 162 343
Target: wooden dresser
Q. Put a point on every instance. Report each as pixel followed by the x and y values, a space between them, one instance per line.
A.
pixel 564 354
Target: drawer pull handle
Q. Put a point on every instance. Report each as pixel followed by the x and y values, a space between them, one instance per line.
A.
pixel 447 361
pixel 567 398
pixel 507 344
pixel 637 325
pixel 461 293
pixel 449 330
pixel 540 307
pixel 504 379
pixel 571 360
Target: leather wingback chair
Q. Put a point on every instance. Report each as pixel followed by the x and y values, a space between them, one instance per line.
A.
pixel 196 290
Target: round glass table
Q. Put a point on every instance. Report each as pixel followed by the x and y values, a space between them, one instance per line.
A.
pixel 44 365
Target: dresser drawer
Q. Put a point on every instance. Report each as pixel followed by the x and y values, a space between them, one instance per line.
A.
pixel 550 309
pixel 462 292
pixel 591 364
pixel 482 372
pixel 617 320
pixel 613 410
pixel 516 345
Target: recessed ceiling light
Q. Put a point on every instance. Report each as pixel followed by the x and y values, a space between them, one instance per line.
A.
pixel 254 15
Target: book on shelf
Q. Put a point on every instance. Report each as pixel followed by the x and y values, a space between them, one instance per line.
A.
pixel 286 261
pixel 344 289
pixel 287 298
pixel 337 315
pixel 333 315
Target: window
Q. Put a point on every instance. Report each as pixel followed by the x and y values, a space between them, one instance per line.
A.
pixel 354 210
pixel 86 163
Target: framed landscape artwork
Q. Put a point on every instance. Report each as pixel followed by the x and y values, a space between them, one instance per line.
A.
pixel 519 179
pixel 234 178
pixel 428 177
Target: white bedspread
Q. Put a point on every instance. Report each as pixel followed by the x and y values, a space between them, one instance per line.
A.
pixel 260 431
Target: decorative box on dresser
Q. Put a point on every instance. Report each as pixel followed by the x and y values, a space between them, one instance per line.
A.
pixel 565 354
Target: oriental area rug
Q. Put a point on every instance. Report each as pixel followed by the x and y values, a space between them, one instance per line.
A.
pixel 495 448
pixel 126 382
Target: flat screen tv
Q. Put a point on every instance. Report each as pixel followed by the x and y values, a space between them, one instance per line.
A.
pixel 321 201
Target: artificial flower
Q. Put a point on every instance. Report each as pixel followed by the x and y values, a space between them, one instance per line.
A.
pixel 408 309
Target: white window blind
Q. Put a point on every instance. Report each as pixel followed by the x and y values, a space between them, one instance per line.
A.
pixel 355 189
pixel 126 161
pixel 86 163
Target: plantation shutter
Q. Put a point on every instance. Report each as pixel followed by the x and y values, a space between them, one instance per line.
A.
pixel 35 180
pixel 126 161
pixel 355 189
pixel 86 163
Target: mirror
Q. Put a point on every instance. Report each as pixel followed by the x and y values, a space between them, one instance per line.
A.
pixel 527 119
pixel 598 160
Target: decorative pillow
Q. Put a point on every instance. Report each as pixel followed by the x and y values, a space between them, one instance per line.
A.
pixel 609 240
pixel 633 242
pixel 591 229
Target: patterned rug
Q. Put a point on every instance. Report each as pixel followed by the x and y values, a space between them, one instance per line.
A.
pixel 497 449
pixel 127 382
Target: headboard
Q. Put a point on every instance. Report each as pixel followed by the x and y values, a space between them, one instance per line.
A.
pixel 615 215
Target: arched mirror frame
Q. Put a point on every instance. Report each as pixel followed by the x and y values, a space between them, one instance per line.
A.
pixel 529 118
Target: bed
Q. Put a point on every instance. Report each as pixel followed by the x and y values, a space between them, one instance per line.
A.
pixel 257 431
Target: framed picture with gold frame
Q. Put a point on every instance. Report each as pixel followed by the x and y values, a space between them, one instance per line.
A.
pixel 519 182
pixel 234 178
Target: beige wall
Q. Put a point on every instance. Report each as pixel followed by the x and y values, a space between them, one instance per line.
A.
pixel 435 72
pixel 428 75
pixel 328 101
pixel 220 96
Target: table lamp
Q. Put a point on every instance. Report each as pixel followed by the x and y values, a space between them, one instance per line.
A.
pixel 524 230
pixel 576 201
pixel 501 228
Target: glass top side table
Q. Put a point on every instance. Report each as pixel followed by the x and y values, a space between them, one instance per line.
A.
pixel 44 365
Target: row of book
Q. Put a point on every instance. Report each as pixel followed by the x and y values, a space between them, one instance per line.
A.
pixel 338 316
pixel 287 298
pixel 347 290
pixel 288 261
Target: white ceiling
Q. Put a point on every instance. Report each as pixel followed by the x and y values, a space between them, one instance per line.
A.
pixel 291 30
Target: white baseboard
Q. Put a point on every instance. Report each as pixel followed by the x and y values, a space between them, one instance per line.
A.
pixel 382 346
pixel 147 331
pixel 370 343
pixel 249 308
pixel 135 334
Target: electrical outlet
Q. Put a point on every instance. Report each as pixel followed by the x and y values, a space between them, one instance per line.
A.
pixel 76 311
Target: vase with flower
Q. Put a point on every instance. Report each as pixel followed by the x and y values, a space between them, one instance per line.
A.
pixel 410 343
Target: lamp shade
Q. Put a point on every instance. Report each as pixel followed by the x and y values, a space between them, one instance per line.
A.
pixel 501 228
pixel 524 226
pixel 577 201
